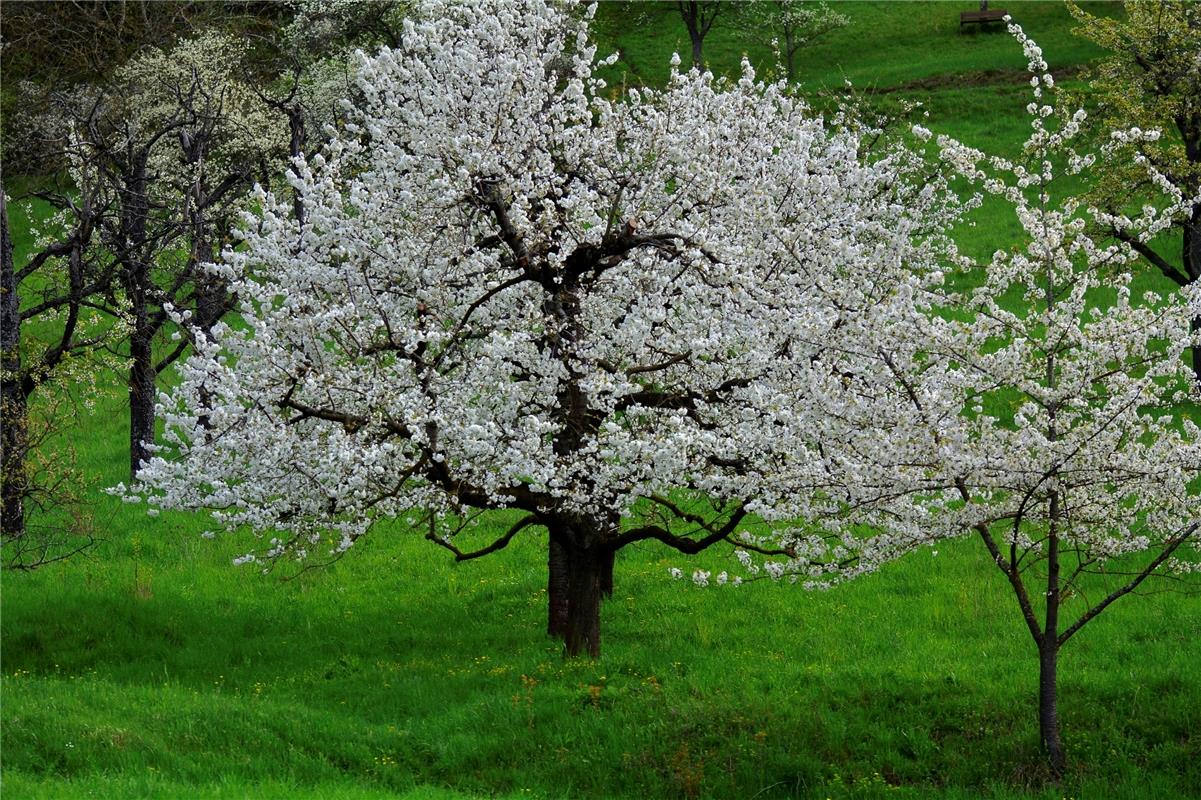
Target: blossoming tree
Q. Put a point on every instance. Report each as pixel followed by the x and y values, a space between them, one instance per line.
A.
pixel 511 291
pixel 1047 411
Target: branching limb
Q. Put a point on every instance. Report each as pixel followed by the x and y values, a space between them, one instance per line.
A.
pixel 499 544
pixel 1171 547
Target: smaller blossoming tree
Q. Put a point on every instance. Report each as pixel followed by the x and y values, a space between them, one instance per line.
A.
pixel 1047 411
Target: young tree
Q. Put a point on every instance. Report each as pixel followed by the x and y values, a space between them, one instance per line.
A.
pixel 1047 411
pixel 1153 81
pixel 799 23
pixel 510 292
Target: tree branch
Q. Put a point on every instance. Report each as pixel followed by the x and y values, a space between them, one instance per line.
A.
pixel 499 544
pixel 1170 548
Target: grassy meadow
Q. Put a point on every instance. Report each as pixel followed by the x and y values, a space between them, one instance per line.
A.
pixel 150 667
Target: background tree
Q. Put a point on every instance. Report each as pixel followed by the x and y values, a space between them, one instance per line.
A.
pixel 512 293
pixel 797 22
pixel 1048 411
pixel 51 47
pixel 698 17
pixel 48 321
pixel 171 141
pixel 1153 82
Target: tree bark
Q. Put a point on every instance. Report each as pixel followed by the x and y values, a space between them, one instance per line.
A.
pixel 698 18
pixel 586 566
pixel 13 406
pixel 556 588
pixel 141 389
pixel 1192 268
pixel 697 61
pixel 609 557
pixel 1048 705
pixel 135 212
pixel 1048 645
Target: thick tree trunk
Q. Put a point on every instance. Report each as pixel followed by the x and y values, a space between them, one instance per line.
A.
pixel 560 576
pixel 586 567
pixel 609 557
pixel 135 212
pixel 790 49
pixel 693 16
pixel 296 145
pixel 556 588
pixel 13 408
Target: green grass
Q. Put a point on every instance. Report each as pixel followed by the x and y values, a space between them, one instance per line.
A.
pixel 152 668
pixel 887 44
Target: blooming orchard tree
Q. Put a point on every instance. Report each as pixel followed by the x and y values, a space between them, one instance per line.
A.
pixel 510 292
pixel 1047 410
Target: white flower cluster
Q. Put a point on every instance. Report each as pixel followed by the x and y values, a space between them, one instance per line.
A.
pixel 512 291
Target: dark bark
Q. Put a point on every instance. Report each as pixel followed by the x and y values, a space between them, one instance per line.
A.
pixel 1048 706
pixel 556 588
pixel 1048 650
pixel 1192 268
pixel 13 406
pixel 585 569
pixel 141 390
pixel 609 557
pixel 133 218
pixel 296 143
pixel 698 18
pixel 790 49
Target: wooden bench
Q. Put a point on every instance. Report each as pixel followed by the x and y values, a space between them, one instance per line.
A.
pixel 970 17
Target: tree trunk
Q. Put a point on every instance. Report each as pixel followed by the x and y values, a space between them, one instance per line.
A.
pixel 690 12
pixel 609 556
pixel 296 149
pixel 135 212
pixel 1195 327
pixel 559 583
pixel 141 390
pixel 1048 705
pixel 585 569
pixel 556 588
pixel 790 49
pixel 1048 645
pixel 13 408
pixel 1192 268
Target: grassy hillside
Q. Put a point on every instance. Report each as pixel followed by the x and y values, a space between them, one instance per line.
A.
pixel 153 668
